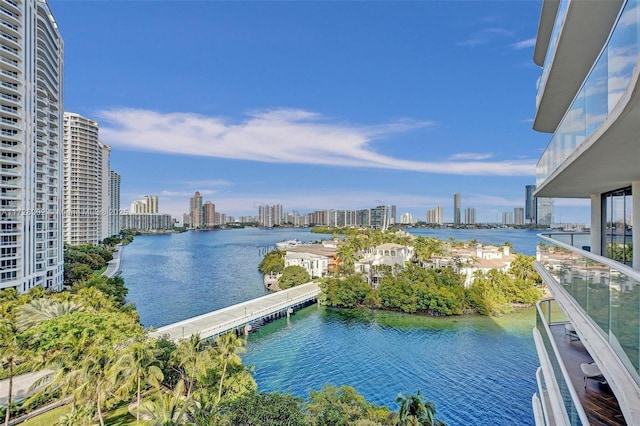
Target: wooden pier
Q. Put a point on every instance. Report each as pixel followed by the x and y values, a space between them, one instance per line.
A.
pixel 241 317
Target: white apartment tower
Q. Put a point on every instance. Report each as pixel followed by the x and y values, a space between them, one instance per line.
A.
pixel 31 73
pixel 86 193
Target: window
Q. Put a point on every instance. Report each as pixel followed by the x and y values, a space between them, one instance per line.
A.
pixel 617 229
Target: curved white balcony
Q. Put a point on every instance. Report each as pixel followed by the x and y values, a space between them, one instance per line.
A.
pixel 601 125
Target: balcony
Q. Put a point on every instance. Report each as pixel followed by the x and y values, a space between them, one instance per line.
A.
pixel 594 403
pixel 601 298
pixel 598 124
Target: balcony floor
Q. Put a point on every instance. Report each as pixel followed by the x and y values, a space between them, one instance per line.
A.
pixel 597 399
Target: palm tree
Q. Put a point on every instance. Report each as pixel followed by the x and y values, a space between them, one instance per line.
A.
pixel 137 364
pixel 42 309
pixel 228 347
pixel 347 255
pixel 194 359
pixel 10 351
pixel 414 411
pixel 168 408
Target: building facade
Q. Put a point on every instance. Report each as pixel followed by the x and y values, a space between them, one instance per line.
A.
pixel 195 211
pixel 86 190
pixel 530 205
pixel 434 216
pixel 31 147
pixel 470 216
pixel 457 205
pixel 114 203
pixel 518 216
pixel 209 214
pixel 588 100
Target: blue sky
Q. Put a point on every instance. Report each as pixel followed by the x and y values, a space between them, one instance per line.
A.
pixel 312 105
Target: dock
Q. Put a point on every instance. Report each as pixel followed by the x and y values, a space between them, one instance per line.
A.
pixel 242 317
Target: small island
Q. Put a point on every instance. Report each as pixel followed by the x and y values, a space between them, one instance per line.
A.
pixel 399 271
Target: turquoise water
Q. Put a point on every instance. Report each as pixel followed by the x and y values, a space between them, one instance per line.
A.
pixel 477 370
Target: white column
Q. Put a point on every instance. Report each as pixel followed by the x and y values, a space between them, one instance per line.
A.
pixel 596 224
pixel 635 222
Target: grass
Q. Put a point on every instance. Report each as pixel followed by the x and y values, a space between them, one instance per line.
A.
pixel 119 416
pixel 100 271
pixel 49 418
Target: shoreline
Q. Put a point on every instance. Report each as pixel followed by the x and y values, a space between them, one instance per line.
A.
pixel 113 267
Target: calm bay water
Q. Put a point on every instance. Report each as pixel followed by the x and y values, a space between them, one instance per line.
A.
pixel 477 370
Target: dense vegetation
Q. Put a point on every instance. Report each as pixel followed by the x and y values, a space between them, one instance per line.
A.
pixel 415 288
pixel 273 263
pixel 292 276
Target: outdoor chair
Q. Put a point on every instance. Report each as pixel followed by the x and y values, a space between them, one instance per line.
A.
pixel 591 371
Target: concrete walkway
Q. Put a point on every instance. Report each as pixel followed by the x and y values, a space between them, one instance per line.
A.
pixel 21 385
pixel 113 268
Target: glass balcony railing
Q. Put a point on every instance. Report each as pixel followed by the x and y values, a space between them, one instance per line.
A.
pixel 600 92
pixel 607 291
pixel 551 50
pixel 548 314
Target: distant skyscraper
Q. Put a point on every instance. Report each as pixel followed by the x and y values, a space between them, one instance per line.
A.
pixel 434 216
pixel 147 206
pixel 31 176
pixel 518 216
pixel 545 211
pixel 456 208
pixel 209 214
pixel 406 219
pixel 114 203
pixel 507 218
pixel 195 210
pixel 470 216
pixel 530 210
pixel 392 220
pixel 86 185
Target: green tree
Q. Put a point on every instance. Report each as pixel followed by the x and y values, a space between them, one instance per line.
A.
pixel 414 411
pixel 167 408
pixel 273 262
pixel 292 276
pixel 333 406
pixel 227 347
pixel 194 358
pixel 137 366
pixel 265 409
pixel 347 292
pixel 10 352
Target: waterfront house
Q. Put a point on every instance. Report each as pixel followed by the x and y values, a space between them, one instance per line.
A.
pixel 588 335
pixel 388 254
pixel 468 260
pixel 317 259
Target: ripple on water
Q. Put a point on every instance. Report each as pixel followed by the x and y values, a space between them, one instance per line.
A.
pixel 474 378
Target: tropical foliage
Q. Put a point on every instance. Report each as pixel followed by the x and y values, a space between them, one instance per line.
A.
pixel 273 263
pixel 292 276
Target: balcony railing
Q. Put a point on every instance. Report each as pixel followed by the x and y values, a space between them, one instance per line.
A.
pixel 551 50
pixel 600 92
pixel 549 314
pixel 607 291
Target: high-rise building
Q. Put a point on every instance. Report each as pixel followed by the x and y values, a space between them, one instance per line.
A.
pixel 507 218
pixel 209 214
pixel 434 216
pixel 457 204
pixel 406 218
pixel 86 184
pixel 587 334
pixel 470 216
pixel 530 205
pixel 114 203
pixel 31 178
pixel 195 211
pixel 545 211
pixel 147 206
pixel 518 216
pixel 105 169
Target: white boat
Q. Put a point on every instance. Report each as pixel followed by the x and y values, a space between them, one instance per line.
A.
pixel 283 245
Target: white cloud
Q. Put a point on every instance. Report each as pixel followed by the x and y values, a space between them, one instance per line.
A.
pixel 281 136
pixel 523 44
pixel 473 156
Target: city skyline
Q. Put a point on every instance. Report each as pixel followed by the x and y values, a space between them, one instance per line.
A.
pixel 342 104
